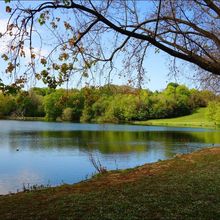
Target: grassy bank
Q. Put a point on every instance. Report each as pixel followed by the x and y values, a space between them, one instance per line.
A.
pixel 186 187
pixel 197 119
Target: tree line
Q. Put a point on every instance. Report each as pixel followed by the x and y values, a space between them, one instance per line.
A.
pixel 109 103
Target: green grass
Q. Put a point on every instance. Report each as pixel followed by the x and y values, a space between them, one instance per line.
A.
pixel 186 187
pixel 197 119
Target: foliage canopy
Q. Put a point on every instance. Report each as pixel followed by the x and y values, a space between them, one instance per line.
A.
pixel 88 33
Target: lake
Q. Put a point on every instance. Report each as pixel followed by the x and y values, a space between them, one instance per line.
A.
pixel 54 153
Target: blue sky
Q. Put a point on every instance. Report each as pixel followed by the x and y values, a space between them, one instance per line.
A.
pixel 156 66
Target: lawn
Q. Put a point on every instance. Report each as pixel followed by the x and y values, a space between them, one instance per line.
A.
pixel 185 187
pixel 197 119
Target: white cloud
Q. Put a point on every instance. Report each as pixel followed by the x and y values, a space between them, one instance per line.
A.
pixel 6 38
pixel 39 52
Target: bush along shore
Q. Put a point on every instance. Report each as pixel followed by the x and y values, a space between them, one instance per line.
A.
pixel 185 187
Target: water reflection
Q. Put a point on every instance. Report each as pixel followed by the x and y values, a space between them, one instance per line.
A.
pixel 108 142
pixel 55 152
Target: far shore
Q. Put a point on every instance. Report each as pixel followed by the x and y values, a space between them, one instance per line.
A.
pixel 197 119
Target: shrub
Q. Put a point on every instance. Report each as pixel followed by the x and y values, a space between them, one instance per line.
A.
pixel 67 114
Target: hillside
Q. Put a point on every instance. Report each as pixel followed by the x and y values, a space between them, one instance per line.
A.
pixel 197 119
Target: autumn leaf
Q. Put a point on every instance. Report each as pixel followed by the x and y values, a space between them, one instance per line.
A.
pixel 55 66
pixel 43 61
pixel 8 9
pixel 33 56
pixel 37 76
pixel 71 42
pixel 4 57
pixel 10 68
pixel 63 56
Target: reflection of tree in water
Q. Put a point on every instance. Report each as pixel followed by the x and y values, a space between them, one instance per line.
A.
pixel 112 141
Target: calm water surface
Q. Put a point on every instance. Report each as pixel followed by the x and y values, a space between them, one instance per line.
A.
pixel 58 153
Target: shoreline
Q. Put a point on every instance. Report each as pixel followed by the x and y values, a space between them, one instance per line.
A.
pixel 105 174
pixel 170 188
pixel 153 122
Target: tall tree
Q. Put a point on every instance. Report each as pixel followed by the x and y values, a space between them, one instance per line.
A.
pixel 89 32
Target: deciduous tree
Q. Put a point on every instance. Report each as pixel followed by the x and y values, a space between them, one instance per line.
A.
pixel 86 33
